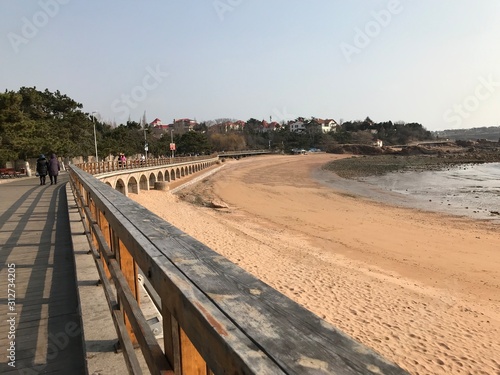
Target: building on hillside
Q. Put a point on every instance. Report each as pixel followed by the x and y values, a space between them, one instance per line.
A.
pixel 157 123
pixel 227 126
pixel 316 124
pixel 183 125
pixel 327 125
pixel 269 126
pixel 158 128
pixel 297 126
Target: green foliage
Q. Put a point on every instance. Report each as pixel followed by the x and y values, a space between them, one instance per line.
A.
pixel 388 132
pixel 34 122
pixel 228 142
pixel 193 143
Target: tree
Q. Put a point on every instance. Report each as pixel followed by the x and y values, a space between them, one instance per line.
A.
pixel 363 137
pixel 227 142
pixel 34 122
pixel 193 143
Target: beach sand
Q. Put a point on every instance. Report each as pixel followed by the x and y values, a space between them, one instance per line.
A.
pixel 421 288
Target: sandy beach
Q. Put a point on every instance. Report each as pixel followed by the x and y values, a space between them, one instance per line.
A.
pixel 421 288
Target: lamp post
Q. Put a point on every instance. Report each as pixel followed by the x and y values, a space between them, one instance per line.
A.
pixel 95 138
pixel 146 147
pixel 171 143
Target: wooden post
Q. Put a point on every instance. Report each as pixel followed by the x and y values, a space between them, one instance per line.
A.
pixel 171 339
pixel 191 361
pixel 106 231
pixel 179 350
pixel 129 270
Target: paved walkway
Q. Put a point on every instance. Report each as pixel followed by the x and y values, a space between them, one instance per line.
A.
pixel 40 323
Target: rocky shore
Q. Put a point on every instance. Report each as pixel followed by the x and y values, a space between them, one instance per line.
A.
pixel 369 162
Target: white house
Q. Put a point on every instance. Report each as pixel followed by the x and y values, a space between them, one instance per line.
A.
pixel 297 127
pixel 327 125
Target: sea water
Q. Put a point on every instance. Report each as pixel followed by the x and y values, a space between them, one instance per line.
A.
pixel 471 190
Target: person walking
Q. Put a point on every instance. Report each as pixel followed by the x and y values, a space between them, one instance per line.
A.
pixel 54 168
pixel 42 168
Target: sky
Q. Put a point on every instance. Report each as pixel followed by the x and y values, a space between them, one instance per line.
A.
pixel 427 61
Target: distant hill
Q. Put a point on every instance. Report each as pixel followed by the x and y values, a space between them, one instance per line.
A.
pixel 491 133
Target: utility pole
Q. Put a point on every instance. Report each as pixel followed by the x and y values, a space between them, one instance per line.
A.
pixel 95 138
pixel 145 143
pixel 172 147
pixel 146 147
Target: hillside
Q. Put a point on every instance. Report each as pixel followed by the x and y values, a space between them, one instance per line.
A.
pixel 491 133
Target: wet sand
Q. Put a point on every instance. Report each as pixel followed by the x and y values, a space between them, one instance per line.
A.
pixel 421 288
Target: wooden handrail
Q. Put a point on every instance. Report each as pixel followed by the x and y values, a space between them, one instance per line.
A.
pixel 217 318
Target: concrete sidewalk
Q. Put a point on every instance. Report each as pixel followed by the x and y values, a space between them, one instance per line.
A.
pixel 49 291
pixel 40 320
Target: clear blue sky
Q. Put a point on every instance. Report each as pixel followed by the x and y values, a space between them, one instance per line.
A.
pixel 428 61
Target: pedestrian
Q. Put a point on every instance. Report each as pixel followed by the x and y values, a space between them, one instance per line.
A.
pixel 54 168
pixel 121 160
pixel 42 167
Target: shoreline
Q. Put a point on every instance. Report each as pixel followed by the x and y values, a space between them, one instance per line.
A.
pixel 414 286
pixel 415 188
pixel 362 166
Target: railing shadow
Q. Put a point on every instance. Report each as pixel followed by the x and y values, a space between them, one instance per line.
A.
pixel 47 333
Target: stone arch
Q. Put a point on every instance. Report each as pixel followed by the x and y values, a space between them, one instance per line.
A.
pixel 177 173
pixel 160 176
pixel 167 176
pixel 108 183
pixel 183 172
pixel 172 174
pixel 132 186
pixel 152 179
pixel 143 183
pixel 120 186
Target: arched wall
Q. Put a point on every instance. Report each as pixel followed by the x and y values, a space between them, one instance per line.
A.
pixel 121 187
pixel 132 185
pixel 133 181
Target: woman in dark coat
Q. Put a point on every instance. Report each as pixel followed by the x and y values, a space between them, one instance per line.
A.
pixel 42 168
pixel 54 168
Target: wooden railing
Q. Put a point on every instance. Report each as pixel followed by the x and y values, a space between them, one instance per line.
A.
pixel 217 318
